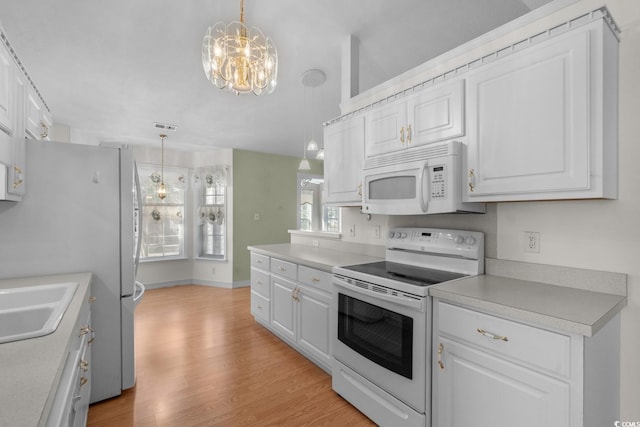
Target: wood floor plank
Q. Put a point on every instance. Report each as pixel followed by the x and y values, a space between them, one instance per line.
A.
pixel 202 360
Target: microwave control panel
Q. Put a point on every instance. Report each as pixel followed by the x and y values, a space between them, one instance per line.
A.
pixel 438 182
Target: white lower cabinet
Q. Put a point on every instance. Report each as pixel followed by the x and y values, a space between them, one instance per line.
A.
pixel 70 406
pixel 492 372
pixel 295 307
pixel 313 324
pixel 283 319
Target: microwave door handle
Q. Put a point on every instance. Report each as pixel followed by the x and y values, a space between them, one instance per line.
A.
pixel 424 187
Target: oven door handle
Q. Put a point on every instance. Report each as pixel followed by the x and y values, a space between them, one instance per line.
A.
pixel 397 299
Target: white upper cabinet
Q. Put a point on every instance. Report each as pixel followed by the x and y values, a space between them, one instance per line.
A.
pixel 7 69
pixel 343 162
pixel 39 122
pixel 22 114
pixel 542 122
pixel 427 116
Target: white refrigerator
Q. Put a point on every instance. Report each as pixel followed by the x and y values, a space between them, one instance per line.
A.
pixel 78 214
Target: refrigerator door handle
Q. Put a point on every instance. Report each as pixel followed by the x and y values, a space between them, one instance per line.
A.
pixel 139 226
pixel 138 296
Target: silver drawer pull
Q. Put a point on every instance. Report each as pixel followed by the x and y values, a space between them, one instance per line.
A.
pixel 282 268
pixel 259 261
pixel 492 336
pixel 258 282
pixel 314 279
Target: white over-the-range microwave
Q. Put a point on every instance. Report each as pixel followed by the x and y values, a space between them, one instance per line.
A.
pixel 416 182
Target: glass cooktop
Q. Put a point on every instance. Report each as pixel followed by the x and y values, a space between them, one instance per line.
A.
pixel 410 274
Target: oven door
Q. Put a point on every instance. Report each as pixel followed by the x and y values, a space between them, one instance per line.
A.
pixel 383 337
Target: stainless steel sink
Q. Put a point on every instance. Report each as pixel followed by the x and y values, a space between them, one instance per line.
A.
pixel 33 311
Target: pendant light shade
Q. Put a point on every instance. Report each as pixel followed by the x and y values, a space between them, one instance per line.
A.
pixel 304 165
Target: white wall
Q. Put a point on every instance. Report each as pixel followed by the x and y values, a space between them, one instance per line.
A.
pixel 590 234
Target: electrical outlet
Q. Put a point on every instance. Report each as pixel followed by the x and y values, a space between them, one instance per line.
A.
pixel 352 230
pixel 213 270
pixel 376 231
pixel 532 241
pixel 315 243
pixel 256 216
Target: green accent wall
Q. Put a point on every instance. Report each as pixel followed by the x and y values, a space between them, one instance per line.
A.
pixel 264 184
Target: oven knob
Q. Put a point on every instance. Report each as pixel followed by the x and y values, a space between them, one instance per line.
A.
pixel 470 240
pixel 402 235
pixel 459 240
pixel 391 234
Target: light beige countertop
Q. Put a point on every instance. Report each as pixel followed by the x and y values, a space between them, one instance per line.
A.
pixel 30 369
pixel 566 308
pixel 311 256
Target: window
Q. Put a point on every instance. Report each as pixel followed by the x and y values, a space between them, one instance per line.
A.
pixel 331 219
pixel 313 215
pixel 211 188
pixel 163 220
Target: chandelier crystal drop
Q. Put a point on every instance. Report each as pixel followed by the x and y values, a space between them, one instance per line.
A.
pixel 239 59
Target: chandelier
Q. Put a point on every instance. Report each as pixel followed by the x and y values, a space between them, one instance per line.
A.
pixel 162 190
pixel 238 59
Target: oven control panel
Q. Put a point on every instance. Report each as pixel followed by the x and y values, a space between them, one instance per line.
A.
pixel 467 244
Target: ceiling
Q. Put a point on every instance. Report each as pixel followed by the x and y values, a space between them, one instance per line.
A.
pixel 110 69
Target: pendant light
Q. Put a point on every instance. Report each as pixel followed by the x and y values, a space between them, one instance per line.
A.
pixel 162 190
pixel 312 78
pixel 239 59
pixel 320 154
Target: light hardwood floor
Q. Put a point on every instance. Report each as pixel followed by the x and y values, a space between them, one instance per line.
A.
pixel 202 360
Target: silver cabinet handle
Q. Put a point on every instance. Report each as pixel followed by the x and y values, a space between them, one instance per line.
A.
pixel 314 279
pixel 492 336
pixel 440 351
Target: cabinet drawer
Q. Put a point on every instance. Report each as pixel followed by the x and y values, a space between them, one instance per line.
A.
pixel 315 278
pixel 528 344
pixel 259 261
pixel 260 282
pixel 260 307
pixel 284 268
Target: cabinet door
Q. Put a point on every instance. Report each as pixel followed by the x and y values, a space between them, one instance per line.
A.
pixel 314 324
pixel 34 125
pixel 387 129
pixel 17 169
pixel 7 69
pixel 529 128
pixel 283 307
pixel 474 388
pixel 343 161
pixel 435 114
